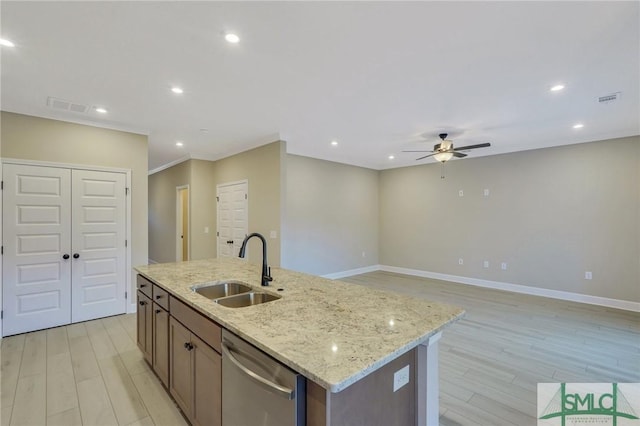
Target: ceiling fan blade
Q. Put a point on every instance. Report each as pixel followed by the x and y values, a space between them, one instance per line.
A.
pixel 423 150
pixel 459 154
pixel 480 145
pixel 426 156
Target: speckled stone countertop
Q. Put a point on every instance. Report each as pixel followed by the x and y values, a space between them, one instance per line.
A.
pixel 332 332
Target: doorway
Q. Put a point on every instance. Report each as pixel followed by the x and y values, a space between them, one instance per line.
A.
pixel 65 246
pixel 182 223
pixel 232 216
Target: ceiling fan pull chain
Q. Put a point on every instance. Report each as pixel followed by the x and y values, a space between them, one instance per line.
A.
pixel 442 171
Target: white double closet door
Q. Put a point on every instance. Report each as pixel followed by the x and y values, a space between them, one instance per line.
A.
pixel 64 257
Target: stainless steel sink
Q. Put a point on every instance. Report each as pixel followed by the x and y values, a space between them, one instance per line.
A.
pixel 246 299
pixel 218 289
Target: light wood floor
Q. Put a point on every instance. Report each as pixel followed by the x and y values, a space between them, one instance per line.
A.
pixel 89 373
pixel 490 362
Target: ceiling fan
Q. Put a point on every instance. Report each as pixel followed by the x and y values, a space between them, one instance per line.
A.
pixel 444 150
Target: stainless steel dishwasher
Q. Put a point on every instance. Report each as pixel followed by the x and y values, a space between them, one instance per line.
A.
pixel 257 390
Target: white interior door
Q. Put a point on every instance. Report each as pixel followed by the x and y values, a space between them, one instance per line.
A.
pixel 36 232
pixel 232 213
pixel 99 234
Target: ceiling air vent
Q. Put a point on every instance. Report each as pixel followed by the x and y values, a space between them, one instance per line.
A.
pixel 609 98
pixel 62 105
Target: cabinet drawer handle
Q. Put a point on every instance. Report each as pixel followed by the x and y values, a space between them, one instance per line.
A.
pixel 188 346
pixel 158 311
pixel 142 285
pixel 158 296
pixel 142 303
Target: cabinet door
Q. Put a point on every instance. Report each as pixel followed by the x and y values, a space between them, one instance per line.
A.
pixel 180 383
pixel 145 326
pixel 207 384
pixel 161 343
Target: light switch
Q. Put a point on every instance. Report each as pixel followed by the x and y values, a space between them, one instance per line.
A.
pixel 273 234
pixel 206 229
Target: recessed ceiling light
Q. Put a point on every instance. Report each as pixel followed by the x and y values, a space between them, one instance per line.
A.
pixel 391 157
pixel 578 126
pixel 334 143
pixel 101 110
pixel 177 90
pixel 557 87
pixel 179 143
pixel 5 42
pixel 231 38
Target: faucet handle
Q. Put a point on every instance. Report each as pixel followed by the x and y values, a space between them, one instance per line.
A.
pixel 268 277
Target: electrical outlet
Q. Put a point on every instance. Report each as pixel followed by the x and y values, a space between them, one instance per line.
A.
pixel 273 234
pixel 485 264
pixel 461 193
pixel 486 192
pixel 588 275
pixel 461 261
pixel 206 229
pixel 503 266
pixel 400 378
pixel 364 254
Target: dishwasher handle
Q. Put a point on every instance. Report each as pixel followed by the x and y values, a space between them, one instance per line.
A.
pixel 265 383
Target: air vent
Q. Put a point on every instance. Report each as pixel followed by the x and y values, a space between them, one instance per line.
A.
pixel 62 105
pixel 609 98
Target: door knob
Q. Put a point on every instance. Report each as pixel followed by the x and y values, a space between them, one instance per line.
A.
pixel 65 256
pixel 76 255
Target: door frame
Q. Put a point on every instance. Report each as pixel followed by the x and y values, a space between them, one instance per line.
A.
pixel 129 276
pixel 179 221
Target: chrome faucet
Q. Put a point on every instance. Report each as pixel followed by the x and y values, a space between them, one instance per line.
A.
pixel 266 270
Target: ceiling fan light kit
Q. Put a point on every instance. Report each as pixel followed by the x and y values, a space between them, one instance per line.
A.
pixel 444 151
pixel 443 156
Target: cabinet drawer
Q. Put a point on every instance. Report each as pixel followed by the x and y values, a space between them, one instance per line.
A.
pixel 161 297
pixel 145 286
pixel 203 327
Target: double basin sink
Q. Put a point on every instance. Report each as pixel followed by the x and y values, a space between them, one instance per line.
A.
pixel 232 294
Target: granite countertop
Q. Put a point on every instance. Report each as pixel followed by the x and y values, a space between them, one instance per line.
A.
pixel 332 332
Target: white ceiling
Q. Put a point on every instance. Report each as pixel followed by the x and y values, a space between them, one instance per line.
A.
pixel 374 76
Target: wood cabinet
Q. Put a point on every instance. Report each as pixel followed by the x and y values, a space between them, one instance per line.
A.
pixel 161 343
pixel 145 326
pixel 195 376
pixel 183 347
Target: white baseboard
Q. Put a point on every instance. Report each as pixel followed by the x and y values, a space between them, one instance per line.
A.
pixel 151 261
pixel 358 271
pixel 496 285
pixel 517 288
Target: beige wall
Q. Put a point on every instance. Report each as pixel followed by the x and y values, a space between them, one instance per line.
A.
pixel 263 169
pixel 551 215
pixel 162 211
pixel 203 209
pixel 331 216
pixel 39 139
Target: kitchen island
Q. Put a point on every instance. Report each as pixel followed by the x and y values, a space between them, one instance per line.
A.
pixel 349 341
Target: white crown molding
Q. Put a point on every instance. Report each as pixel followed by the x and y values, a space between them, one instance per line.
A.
pixel 171 164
